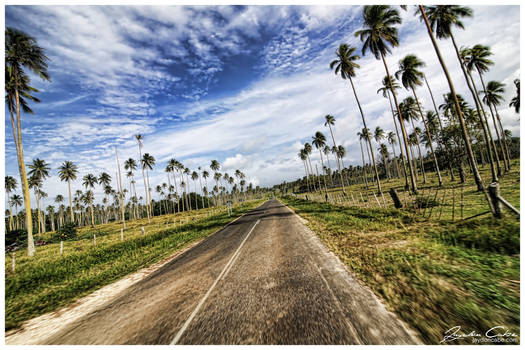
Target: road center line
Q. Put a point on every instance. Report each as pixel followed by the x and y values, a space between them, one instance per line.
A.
pixel 226 267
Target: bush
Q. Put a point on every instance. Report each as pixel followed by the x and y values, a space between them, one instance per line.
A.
pixel 64 233
pixel 15 236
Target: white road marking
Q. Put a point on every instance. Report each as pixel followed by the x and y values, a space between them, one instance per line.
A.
pixel 223 272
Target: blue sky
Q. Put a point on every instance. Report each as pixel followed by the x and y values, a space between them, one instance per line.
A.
pixel 245 85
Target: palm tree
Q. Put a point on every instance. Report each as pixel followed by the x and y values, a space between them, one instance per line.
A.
pixel 215 166
pixel 308 150
pixel 104 179
pixel 200 184
pixel 411 78
pixel 140 139
pixel 409 112
pixel 383 151
pixel 10 186
pixel 148 162
pixel 16 200
pixel 303 157
pixel 130 165
pixel 391 138
pixel 442 17
pixel 385 90
pixel 194 177
pixel 493 96
pixel 205 175
pixel 89 181
pixel 67 172
pixel 515 102
pixel 329 121
pixel 39 172
pixel 345 65
pixel 362 136
pixel 22 51
pixel 327 150
pixel 59 199
pixel 477 58
pixel 379 32
pixel 319 141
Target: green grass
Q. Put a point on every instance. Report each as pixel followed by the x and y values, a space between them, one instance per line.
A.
pixel 434 275
pixel 49 281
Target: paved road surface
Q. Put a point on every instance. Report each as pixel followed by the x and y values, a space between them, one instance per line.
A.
pixel 264 279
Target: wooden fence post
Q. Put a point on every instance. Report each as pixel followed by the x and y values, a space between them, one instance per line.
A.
pixel 13 263
pixel 142 230
pixel 121 234
pixel 61 247
pixel 494 193
pixel 94 239
pixel 395 198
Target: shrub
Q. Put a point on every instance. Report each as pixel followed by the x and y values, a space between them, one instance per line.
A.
pixel 66 232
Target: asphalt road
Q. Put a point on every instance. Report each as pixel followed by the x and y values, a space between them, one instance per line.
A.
pixel 263 279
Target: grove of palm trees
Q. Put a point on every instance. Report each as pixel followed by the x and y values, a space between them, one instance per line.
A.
pixel 167 203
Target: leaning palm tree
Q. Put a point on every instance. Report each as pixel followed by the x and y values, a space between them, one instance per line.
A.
pixel 411 78
pixel 329 121
pixel 319 141
pixel 442 17
pixel 378 33
pixel 493 96
pixel 345 65
pixel 22 51
pixel 89 181
pixel 68 172
pixel 140 139
pixel 515 102
pixel 10 186
pixel 478 58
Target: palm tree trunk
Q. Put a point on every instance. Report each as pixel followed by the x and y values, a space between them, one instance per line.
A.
pixel 477 176
pixel 23 176
pixel 429 139
pixel 364 167
pixel 399 140
pixel 500 140
pixel 338 162
pixel 10 212
pixel 403 130
pixel 505 139
pixel 145 186
pixel 495 167
pixel 368 137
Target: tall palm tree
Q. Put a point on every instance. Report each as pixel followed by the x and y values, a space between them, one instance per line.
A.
pixel 89 181
pixel 22 52
pixel 319 141
pixel 194 177
pixel 515 102
pixel 329 121
pixel 130 165
pixel 411 78
pixel 205 175
pixel 39 171
pixel 140 140
pixel 10 186
pixel 478 58
pixel 215 166
pixel 391 138
pixel 200 183
pixel 385 90
pixel 148 162
pixel 345 65
pixel 16 200
pixel 442 17
pixel 68 172
pixel 308 150
pixel 303 157
pixel 409 112
pixel 59 199
pixel 362 136
pixel 378 33
pixel 494 96
pixel 383 151
pixel 327 150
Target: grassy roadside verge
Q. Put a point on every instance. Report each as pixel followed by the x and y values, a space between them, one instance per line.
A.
pixel 49 281
pixel 434 275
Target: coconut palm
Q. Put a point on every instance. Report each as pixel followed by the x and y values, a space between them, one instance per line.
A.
pixel 59 199
pixel 205 175
pixel 22 52
pixel 362 136
pixel 383 151
pixel 308 150
pixel 515 102
pixel 89 181
pixel 194 177
pixel 329 121
pixel 215 166
pixel 409 112
pixel 319 141
pixel 378 33
pixel 200 184
pixel 327 150
pixel 68 172
pixel 16 200
pixel 442 18
pixel 385 90
pixel 411 78
pixel 493 97
pixel 345 65
pixel 303 157
pixel 391 138
pixel 10 186
pixel 39 172
pixel 140 140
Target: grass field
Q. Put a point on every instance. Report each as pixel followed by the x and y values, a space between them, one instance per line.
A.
pixel 50 280
pixel 435 274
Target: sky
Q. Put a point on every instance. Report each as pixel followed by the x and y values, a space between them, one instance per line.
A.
pixel 246 85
